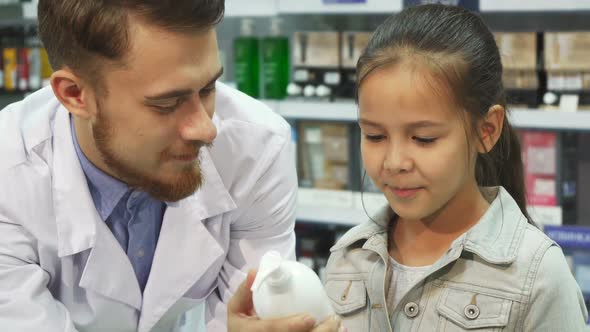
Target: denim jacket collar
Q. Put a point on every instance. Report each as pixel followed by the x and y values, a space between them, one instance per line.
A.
pixel 495 238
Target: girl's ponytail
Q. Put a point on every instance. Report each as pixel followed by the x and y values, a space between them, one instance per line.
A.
pixel 503 166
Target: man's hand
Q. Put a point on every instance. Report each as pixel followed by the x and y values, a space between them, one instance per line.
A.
pixel 242 318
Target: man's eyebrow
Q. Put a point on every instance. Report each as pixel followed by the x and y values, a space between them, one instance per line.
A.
pixel 215 77
pixel 180 92
pixel 169 95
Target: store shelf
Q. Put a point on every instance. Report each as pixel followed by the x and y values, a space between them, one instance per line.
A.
pixel 325 111
pixel 339 6
pixel 555 120
pixel 30 10
pixel 533 5
pixel 341 207
pixel 10 12
pixel 521 118
pixel 10 23
pixel 337 206
pixel 9 98
pixel 332 216
pixel 327 7
pixel 19 14
pixel 241 8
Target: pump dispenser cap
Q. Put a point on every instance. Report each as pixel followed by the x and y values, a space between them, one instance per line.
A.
pixel 275 26
pixel 270 266
pixel 247 27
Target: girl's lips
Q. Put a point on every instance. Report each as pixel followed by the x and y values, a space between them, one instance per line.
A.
pixel 405 192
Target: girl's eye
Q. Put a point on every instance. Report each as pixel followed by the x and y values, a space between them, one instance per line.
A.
pixel 424 140
pixel 374 138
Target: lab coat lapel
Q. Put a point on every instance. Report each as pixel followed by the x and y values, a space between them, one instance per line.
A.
pixel 109 272
pixel 186 249
pixel 80 228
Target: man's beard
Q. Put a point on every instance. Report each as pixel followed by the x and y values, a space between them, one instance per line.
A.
pixel 181 185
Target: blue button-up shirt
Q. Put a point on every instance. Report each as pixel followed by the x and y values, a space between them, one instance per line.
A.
pixel 134 217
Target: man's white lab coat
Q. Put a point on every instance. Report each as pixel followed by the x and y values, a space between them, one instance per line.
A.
pixel 61 269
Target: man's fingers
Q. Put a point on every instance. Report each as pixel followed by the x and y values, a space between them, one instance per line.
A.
pixel 240 316
pixel 298 323
pixel 241 302
pixel 332 324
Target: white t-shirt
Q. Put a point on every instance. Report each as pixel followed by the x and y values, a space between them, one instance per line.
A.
pixel 404 278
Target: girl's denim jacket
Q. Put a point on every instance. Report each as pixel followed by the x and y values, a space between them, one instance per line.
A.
pixel 504 274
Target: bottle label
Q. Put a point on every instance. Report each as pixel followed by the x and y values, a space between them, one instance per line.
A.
pixel 301 75
pixel 332 78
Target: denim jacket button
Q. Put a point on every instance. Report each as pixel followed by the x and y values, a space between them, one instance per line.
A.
pixel 411 309
pixel 471 311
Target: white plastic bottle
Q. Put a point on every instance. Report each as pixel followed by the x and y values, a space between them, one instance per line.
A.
pixel 284 288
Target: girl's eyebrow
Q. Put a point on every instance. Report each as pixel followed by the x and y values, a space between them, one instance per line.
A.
pixel 369 123
pixel 411 125
pixel 424 124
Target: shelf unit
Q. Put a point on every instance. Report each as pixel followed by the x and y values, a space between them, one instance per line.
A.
pixel 9 98
pixel 345 208
pixel 324 207
pixel 339 6
pixel 347 112
pixel 338 207
pixel 236 8
pixel 26 13
pixel 349 208
pixel 533 5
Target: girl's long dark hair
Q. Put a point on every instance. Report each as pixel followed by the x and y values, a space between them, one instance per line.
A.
pixel 458 48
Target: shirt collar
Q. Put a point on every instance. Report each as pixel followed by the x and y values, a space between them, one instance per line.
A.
pixel 106 191
pixel 495 238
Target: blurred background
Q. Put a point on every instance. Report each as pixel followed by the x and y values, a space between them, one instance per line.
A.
pixel 299 57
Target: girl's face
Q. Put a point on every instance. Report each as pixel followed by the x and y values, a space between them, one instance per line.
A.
pixel 414 143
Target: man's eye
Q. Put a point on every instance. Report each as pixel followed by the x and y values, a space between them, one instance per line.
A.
pixel 166 110
pixel 169 109
pixel 207 91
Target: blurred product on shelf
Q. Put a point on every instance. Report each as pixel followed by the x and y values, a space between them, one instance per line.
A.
pixel 10 55
pixel 583 180
pixel 519 59
pixel 316 62
pixel 570 159
pixel 539 156
pixel 22 70
pixel 323 155
pixel 1 70
pixel 23 62
pixel 314 242
pixel 33 55
pixel 247 60
pixel 567 64
pixel 353 44
pixel 575 242
pixel 46 70
pixel 275 62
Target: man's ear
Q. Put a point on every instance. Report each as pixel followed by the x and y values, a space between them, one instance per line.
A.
pixel 490 128
pixel 71 92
